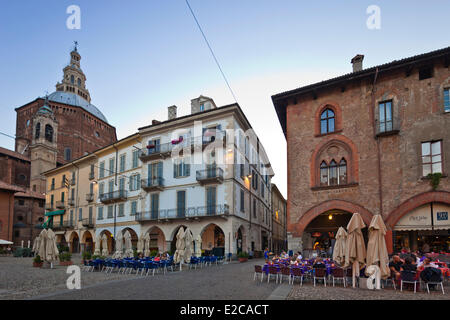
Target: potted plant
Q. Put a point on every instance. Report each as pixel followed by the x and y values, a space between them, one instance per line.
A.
pixel 87 256
pixel 243 256
pixel 65 259
pixel 37 262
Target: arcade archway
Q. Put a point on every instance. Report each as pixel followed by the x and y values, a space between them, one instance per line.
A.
pixel 213 240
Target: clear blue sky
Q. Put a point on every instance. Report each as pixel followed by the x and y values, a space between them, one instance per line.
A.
pixel 142 56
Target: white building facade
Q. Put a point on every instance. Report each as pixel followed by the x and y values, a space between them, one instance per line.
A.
pixel 206 171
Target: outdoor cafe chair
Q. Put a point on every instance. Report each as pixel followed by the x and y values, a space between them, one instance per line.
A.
pixel 408 277
pixel 320 273
pixel 297 273
pixel 427 283
pixel 285 271
pixel 338 275
pixel 151 266
pixel 272 271
pixel 193 262
pixel 258 269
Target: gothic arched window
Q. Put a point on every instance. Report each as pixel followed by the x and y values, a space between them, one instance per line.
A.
pixel 38 130
pixel 343 172
pixel 72 79
pixel 79 82
pixel 49 133
pixel 327 121
pixel 333 175
pixel 323 174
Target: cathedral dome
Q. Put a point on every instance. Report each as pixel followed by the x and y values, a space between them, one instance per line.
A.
pixel 75 100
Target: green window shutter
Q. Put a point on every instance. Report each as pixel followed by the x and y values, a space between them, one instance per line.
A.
pixel 160 169
pixel 187 167
pixel 175 167
pixel 138 183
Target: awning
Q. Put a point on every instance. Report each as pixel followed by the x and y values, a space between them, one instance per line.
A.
pixel 55 213
pixel 417 219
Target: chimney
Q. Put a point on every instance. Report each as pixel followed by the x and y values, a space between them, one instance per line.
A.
pixel 357 62
pixel 172 112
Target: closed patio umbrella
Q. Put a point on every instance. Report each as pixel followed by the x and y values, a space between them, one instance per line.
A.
pixel 98 241
pixel 51 248
pixel 128 246
pixel 340 246
pixel 105 250
pixel 355 254
pixel 376 247
pixel 36 242
pixel 198 246
pixel 42 244
pixel 147 245
pixel 188 245
pixel 119 246
pixel 140 244
pixel 180 244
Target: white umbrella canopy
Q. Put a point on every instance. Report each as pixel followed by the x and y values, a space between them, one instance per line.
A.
pixel 98 241
pixel 376 247
pixel 340 246
pixel 179 253
pixel 105 250
pixel 128 245
pixel 51 248
pixel 355 253
pixel 140 244
pixel 6 242
pixel 188 238
pixel 147 245
pixel 119 246
pixel 198 246
pixel 42 244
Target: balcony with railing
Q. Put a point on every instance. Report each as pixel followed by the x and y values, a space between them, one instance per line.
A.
pixel 91 175
pixel 180 213
pixel 162 151
pixel 152 184
pixel 114 196
pixel 49 206
pixel 87 223
pixel 387 127
pixel 60 204
pixel 210 175
pixel 72 181
pixel 71 202
pixel 89 197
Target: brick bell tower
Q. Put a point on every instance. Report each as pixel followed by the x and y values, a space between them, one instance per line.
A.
pixel 43 148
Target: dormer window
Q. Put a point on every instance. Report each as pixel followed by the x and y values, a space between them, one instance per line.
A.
pixel 202 107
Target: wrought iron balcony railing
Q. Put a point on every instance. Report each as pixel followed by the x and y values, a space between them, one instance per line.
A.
pixel 210 175
pixel 114 196
pixel 152 184
pixel 187 213
pixel 89 197
pixel 88 222
pixel 60 204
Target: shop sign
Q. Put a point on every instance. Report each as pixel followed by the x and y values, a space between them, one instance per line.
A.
pixel 440 216
pixel 417 219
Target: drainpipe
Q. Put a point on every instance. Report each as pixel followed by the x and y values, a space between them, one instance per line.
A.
pixel 378 142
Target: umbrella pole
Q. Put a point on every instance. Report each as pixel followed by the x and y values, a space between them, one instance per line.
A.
pixel 355 270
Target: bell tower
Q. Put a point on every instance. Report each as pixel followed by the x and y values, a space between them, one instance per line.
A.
pixel 74 80
pixel 43 148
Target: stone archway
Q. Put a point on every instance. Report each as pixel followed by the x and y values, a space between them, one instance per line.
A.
pixel 87 242
pixel 213 240
pixel 173 238
pixel 74 242
pixel 109 238
pixel 315 211
pixel 241 239
pixel 157 239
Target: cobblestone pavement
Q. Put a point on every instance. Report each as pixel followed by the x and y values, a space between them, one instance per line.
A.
pixel 19 280
pixel 309 292
pixel 229 281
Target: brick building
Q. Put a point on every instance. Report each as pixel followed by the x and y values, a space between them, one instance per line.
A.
pixel 278 224
pixel 366 142
pixel 82 127
pixel 50 132
pixel 20 209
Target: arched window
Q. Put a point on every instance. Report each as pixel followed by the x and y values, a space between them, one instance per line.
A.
pixel 327 121
pixel 343 172
pixel 323 174
pixel 333 175
pixel 79 82
pixel 38 130
pixel 72 79
pixel 49 133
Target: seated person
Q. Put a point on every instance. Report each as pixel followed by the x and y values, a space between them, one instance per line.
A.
pixel 319 263
pixel 426 263
pixel 409 265
pixel 275 258
pixel 157 258
pixel 396 266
